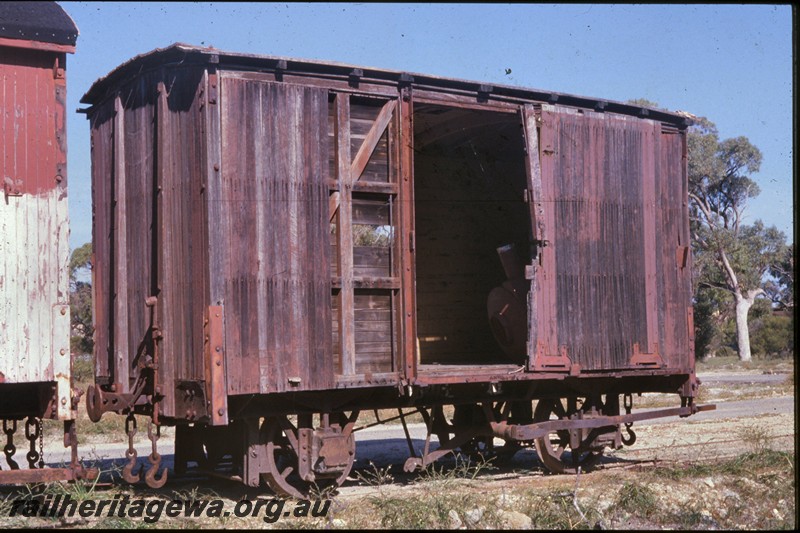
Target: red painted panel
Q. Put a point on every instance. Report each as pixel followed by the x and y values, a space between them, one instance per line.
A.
pixel 32 124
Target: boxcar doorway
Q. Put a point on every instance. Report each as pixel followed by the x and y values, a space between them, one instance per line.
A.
pixel 469 201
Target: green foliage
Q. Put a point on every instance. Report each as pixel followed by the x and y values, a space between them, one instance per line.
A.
pixel 772 336
pixel 377 477
pixel 367 235
pixel 80 306
pixel 557 509
pixel 643 102
pixel 82 370
pixel 81 259
pixel 80 301
pixel 755 437
pixel 780 288
pixel 757 249
pixel 712 310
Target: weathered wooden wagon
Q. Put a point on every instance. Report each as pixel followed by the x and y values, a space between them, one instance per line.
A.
pixel 35 361
pixel 282 243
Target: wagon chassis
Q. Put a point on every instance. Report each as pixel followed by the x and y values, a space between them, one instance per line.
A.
pixel 316 450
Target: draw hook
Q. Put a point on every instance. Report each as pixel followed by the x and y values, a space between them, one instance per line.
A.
pixel 150 477
pixel 127 471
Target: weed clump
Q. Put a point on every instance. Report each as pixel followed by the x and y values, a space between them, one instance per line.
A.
pixel 637 499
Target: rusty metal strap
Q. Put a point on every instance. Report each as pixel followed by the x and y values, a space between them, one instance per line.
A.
pixel 45 475
pixel 540 429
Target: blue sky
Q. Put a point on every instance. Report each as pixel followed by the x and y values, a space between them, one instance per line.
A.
pixel 730 63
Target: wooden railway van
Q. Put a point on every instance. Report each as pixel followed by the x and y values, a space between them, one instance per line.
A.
pixel 282 243
pixel 35 361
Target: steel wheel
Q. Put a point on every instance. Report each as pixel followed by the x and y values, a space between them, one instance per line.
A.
pixel 554 449
pixel 282 462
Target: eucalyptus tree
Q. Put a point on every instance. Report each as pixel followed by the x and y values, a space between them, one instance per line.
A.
pixel 729 254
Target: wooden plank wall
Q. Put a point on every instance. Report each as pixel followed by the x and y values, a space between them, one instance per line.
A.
pixel 674 277
pixel 145 154
pixel 180 277
pixel 615 199
pixel 592 182
pixel 133 257
pixel 34 223
pixel 275 197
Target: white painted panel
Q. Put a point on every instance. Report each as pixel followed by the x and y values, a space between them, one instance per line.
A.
pixel 34 257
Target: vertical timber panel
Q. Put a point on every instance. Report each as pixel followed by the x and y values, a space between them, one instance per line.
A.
pixel 601 295
pixel 213 239
pixel 344 233
pixel 686 272
pixel 59 264
pixel 408 307
pixel 274 188
pixel 138 162
pixel 102 127
pixel 157 267
pixel 119 263
pixel 533 170
pixel 545 297
pixel 674 267
pixel 649 250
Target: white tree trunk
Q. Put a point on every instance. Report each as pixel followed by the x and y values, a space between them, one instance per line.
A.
pixel 742 329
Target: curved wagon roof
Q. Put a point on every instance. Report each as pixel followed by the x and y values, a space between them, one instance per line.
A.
pixel 185 54
pixel 24 24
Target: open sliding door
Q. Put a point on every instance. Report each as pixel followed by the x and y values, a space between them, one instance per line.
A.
pixel 596 210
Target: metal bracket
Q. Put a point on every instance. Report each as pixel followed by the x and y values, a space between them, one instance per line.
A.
pixel 190 399
pixel 483 92
pixel 405 80
pixel 213 91
pixel 682 256
pixel 12 187
pixel 552 363
pixel 355 77
pixel 651 358
pixel 280 68
pixel 216 386
pixel 58 70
